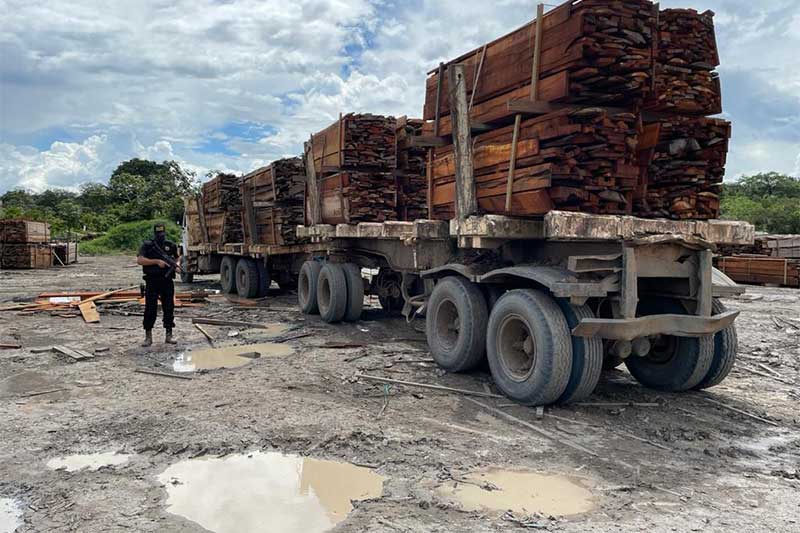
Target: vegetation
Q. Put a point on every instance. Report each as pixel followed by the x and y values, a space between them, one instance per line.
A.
pixel 769 201
pixel 128 237
pixel 137 190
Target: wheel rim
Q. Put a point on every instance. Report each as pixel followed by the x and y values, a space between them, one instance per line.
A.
pixel 324 294
pixel 665 348
pixel 516 347
pixel 448 324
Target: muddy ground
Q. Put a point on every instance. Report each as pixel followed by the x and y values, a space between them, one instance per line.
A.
pixel 687 464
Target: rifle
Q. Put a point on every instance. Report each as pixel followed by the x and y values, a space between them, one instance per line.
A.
pixel 173 266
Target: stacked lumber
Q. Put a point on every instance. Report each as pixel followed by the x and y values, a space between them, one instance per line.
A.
pixel 575 160
pixel 597 51
pixel 411 165
pixel 787 246
pixel 25 255
pixel 19 231
pixel 761 270
pixel 686 168
pixel 273 203
pixel 65 253
pixel 222 209
pixel 354 162
pixel 355 141
pixel 685 79
pixel 194 228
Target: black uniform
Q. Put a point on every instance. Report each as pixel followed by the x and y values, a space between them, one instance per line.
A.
pixel 159 284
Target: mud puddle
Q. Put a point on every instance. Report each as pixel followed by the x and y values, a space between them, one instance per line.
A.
pixel 92 461
pixel 267 492
pixel 10 515
pixel 520 492
pixel 228 356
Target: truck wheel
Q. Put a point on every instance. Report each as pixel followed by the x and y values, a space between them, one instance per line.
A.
pixel 227 274
pixel 389 290
pixel 456 324
pixel 726 344
pixel 332 293
pixel 528 346
pixel 587 356
pixel 247 282
pixel 264 280
pixel 355 292
pixel 307 287
pixel 674 364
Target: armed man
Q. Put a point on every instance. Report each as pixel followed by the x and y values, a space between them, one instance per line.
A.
pixel 159 259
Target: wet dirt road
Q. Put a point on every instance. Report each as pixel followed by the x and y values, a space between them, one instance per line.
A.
pixel 631 459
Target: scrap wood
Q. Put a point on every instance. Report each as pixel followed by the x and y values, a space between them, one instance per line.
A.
pixel 10 346
pixel 77 355
pixel 617 404
pixel 427 386
pixel 162 374
pixel 229 323
pixel 540 431
pixel 745 413
pixel 618 431
pixel 206 334
pixel 765 375
pixel 89 312
pixel 42 393
pixel 104 295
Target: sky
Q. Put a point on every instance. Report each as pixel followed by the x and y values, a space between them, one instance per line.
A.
pixel 233 84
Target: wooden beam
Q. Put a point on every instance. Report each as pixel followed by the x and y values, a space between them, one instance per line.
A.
pixel 512 163
pixel 466 198
pixel 429 176
pixel 477 76
pixel 437 118
pixel 314 214
pixel 537 53
pixel 421 141
pixel 629 290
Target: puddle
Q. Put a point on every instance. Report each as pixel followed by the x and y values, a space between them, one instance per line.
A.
pixel 228 356
pixel 92 461
pixel 267 492
pixel 521 492
pixel 10 515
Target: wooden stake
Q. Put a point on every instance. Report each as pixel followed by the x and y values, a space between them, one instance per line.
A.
pixel 477 76
pixel 314 214
pixel 537 53
pixel 512 163
pixel 745 413
pixel 428 386
pixel 439 82
pixel 162 374
pixel 206 334
pixel 466 199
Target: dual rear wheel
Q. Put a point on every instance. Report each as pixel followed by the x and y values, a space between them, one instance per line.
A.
pixel 332 290
pixel 245 276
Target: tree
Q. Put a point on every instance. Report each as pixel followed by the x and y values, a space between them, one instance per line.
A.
pixel 770 201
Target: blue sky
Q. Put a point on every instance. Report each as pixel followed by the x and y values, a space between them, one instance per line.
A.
pixel 233 85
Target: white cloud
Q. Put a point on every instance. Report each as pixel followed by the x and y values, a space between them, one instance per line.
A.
pixel 162 79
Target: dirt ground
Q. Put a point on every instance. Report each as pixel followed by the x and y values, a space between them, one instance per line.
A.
pixel 687 464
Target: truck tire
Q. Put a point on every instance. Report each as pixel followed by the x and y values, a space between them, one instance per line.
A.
pixel 529 347
pixel 307 287
pixel 355 292
pixel 455 324
pixel 332 293
pixel 390 294
pixel 675 364
pixel 247 282
pixel 726 344
pixel 264 280
pixel 587 356
pixel 227 274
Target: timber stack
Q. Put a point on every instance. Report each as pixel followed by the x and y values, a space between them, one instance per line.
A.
pixel 273 203
pixel 353 162
pixel 614 123
pixel 761 270
pixel 221 203
pixel 25 244
pixel 410 173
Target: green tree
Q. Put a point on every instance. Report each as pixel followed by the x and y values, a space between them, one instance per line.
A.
pixel 770 201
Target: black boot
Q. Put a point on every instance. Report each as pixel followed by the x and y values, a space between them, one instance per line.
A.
pixel 168 339
pixel 148 338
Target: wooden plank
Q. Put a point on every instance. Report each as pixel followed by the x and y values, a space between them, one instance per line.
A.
pixel 466 200
pixel 89 312
pixel 537 53
pixel 314 209
pixel 513 161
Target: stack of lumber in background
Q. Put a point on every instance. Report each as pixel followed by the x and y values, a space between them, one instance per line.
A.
pixel 653 69
pixel 354 162
pixel 411 180
pixel 273 203
pixel 576 160
pixel 24 244
pixel 65 253
pixel 787 246
pixel 684 169
pixel 194 228
pixel 758 248
pixel 685 80
pixel 222 209
pixel 761 270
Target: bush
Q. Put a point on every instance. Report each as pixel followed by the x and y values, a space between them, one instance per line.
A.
pixel 127 238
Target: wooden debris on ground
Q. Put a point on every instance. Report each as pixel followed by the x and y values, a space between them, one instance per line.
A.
pixel 73 353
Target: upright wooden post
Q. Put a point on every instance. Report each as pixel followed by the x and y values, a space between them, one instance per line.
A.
pixel 512 164
pixel 439 81
pixel 466 199
pixel 537 53
pixel 311 185
pixel 429 176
